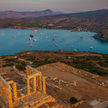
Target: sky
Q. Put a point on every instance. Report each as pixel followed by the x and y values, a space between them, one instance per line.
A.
pixel 59 5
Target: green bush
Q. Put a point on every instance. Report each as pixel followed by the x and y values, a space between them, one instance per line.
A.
pixel 73 100
pixel 31 58
pixel 37 63
pixel 10 60
pixel 103 63
pixel 87 66
pixel 105 56
pixel 9 64
pixel 21 66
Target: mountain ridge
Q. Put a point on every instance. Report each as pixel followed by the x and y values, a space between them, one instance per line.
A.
pixel 95 21
pixel 25 14
pixel 46 12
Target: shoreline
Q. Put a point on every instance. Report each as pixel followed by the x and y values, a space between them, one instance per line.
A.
pixel 97 36
pixel 52 51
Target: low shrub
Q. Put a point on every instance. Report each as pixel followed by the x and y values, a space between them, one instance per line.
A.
pixel 73 100
pixel 21 66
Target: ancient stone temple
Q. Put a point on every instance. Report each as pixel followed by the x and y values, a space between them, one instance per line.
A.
pixel 25 90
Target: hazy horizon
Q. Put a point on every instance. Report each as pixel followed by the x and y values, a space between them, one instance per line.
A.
pixel 52 10
pixel 57 5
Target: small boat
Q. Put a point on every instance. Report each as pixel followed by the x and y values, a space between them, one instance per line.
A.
pixel 91 47
pixel 31 36
pixel 34 40
pixel 81 37
pixel 35 30
pixel 31 45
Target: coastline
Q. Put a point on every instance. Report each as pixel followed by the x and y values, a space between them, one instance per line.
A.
pixel 97 36
pixel 53 51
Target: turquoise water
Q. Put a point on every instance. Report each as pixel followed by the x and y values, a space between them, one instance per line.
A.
pixel 13 41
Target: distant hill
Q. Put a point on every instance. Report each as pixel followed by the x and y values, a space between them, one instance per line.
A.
pixel 92 20
pixel 11 14
pixel 97 15
pixel 96 21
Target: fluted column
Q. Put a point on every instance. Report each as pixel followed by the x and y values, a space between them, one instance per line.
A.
pixel 2 89
pixel 10 98
pixel 27 71
pixel 4 92
pixel 7 94
pixel 40 82
pixel 28 86
pixel 15 92
pixel 30 72
pixel 37 81
pixel 44 86
pixel 34 84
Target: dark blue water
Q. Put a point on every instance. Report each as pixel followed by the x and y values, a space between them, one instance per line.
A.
pixel 13 41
